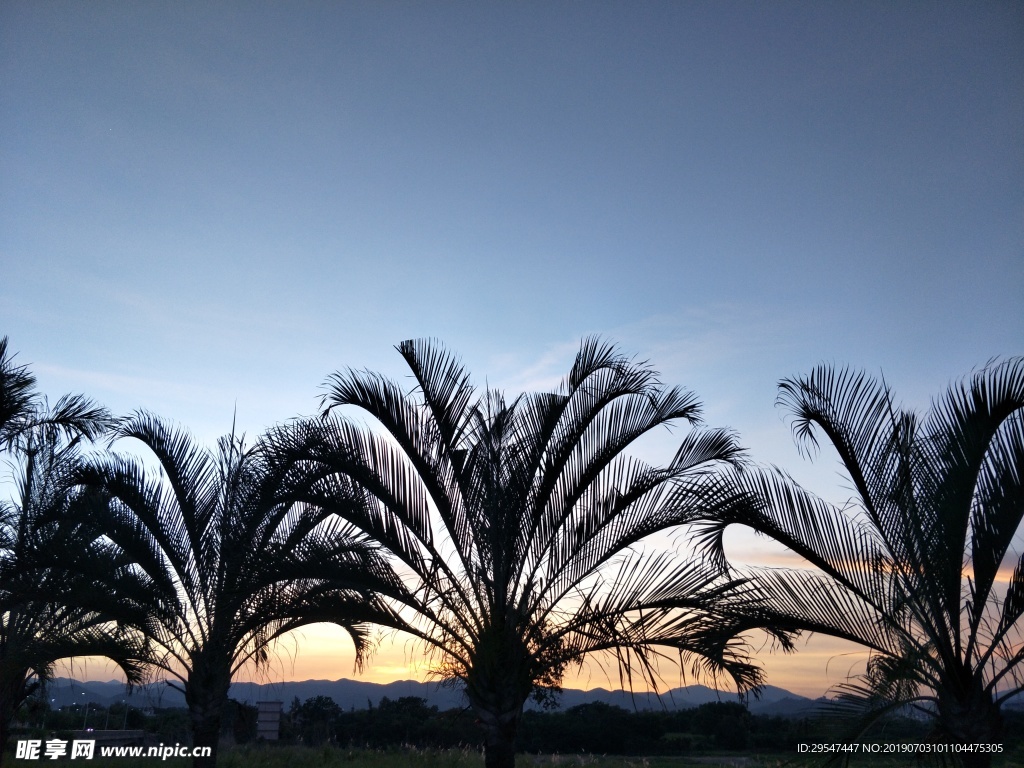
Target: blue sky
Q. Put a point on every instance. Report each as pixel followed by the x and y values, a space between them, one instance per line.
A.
pixel 211 206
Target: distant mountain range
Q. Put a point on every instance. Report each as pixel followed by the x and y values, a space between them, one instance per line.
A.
pixel 356 694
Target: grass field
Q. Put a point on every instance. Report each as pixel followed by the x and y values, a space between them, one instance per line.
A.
pixel 334 757
pixel 329 757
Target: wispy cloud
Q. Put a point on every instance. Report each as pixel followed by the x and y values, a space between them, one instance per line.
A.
pixel 542 372
pixel 702 338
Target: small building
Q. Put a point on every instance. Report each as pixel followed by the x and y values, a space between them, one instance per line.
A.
pixel 268 720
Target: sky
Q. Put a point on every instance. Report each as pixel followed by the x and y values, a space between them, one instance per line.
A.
pixel 207 208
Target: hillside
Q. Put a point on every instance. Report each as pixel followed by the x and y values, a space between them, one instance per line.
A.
pixel 356 694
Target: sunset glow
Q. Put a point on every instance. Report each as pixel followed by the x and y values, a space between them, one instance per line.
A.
pixel 207 209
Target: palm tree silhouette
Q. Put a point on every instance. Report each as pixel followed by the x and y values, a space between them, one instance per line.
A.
pixel 24 412
pixel 923 567
pixel 235 566
pixel 57 580
pixel 54 574
pixel 519 525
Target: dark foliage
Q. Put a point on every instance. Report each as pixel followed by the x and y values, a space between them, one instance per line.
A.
pixel 315 720
pixel 590 728
pixel 26 415
pixel 924 567
pixel 519 524
pixel 229 566
pixel 56 576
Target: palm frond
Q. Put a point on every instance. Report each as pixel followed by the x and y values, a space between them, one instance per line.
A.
pixel 64 591
pixel 911 569
pixel 232 558
pixel 517 520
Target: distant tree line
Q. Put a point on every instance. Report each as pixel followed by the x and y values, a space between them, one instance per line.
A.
pixel 594 728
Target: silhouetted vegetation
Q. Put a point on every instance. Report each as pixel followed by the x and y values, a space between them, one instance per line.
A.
pixel 910 568
pixel 230 566
pixel 594 728
pixel 589 728
pixel 514 525
pixel 539 508
pixel 55 570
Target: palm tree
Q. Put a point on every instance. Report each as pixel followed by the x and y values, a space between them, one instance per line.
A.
pixel 520 526
pixel 23 411
pixel 235 566
pixel 54 572
pixel 923 568
pixel 56 581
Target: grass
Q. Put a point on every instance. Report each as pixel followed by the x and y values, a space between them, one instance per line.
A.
pixel 333 757
pixel 410 757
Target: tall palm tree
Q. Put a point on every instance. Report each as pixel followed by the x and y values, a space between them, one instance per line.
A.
pixel 235 566
pixel 520 526
pixel 57 578
pixel 924 567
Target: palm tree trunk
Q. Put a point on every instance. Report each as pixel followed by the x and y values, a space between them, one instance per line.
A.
pixel 497 694
pixel 500 740
pixel 206 733
pixel 5 732
pixel 12 693
pixel 206 696
pixel 499 715
pixel 972 722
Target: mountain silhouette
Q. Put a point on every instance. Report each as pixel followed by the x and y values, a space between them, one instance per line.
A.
pixel 357 694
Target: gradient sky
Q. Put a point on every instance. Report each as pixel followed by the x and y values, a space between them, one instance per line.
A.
pixel 211 206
